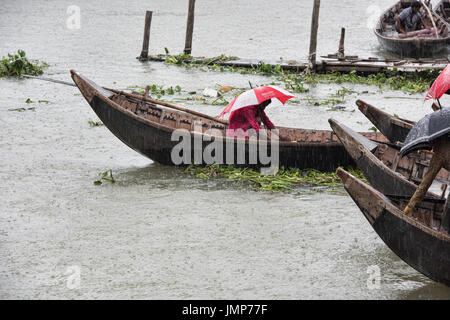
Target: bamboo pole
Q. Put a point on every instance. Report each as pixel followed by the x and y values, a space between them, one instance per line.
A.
pixel 189 28
pixel 445 221
pixel 440 159
pixel 145 42
pixel 313 39
pixel 431 18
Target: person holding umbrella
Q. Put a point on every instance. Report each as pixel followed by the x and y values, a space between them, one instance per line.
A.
pixel 247 110
pixel 243 119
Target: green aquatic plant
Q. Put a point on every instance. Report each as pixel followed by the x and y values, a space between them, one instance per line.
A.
pixel 157 90
pixel 185 59
pixel 39 101
pixel 268 69
pixel 105 176
pixel 22 109
pixel 283 180
pixel 15 65
pixel 410 82
pixel 95 123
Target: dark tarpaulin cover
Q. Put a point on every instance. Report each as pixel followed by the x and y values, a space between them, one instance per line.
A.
pixel 427 129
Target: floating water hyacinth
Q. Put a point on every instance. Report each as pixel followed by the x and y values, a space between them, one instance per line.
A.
pixel 106 176
pixel 95 123
pixel 18 64
pixel 283 180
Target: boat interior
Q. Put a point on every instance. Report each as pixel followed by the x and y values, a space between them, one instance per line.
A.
pixel 429 212
pixel 413 167
pixel 441 17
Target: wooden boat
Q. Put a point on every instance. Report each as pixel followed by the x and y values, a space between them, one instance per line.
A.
pixel 395 129
pixel 419 239
pixel 415 47
pixel 146 125
pixel 381 164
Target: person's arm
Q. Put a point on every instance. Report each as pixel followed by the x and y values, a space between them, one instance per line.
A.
pixel 265 119
pixel 398 23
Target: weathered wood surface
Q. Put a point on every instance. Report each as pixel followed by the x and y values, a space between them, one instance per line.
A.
pixel 441 158
pixel 341 50
pixel 145 42
pixel 419 239
pixel 334 64
pixel 313 35
pixel 189 28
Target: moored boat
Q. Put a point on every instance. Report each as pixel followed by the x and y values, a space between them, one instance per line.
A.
pixel 420 239
pixel 415 45
pixel 384 168
pixel 147 126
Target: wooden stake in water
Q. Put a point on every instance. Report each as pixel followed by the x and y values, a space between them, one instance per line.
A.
pixel 341 51
pixel 313 40
pixel 189 28
pixel 148 22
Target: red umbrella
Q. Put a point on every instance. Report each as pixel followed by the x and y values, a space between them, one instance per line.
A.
pixel 256 96
pixel 440 85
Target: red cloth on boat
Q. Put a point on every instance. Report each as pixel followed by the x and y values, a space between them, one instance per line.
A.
pixel 419 33
pixel 244 118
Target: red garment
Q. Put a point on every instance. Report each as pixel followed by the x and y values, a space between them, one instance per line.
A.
pixel 243 118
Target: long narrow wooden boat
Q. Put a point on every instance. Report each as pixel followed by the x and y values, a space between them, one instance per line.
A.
pixel 381 164
pixel 147 127
pixel 395 129
pixel 414 47
pixel 419 239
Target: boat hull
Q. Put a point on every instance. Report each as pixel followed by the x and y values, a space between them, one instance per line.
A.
pixel 424 249
pixel 378 173
pixel 418 48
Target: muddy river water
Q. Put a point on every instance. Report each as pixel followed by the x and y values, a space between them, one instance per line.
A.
pixel 158 233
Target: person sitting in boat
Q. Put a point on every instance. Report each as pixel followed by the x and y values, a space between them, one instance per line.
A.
pixel 243 119
pixel 409 19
